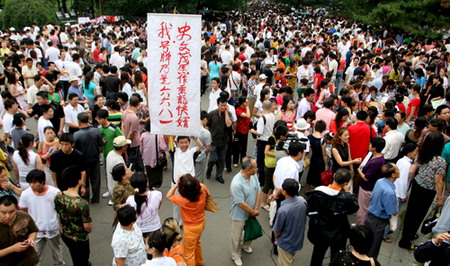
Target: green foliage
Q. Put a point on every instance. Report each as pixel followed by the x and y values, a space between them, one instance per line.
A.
pixel 423 18
pixel 19 13
pixel 139 8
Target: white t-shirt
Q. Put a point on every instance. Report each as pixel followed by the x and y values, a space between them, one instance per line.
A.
pixel 286 168
pixel 24 169
pixel 7 122
pixel 184 162
pixel 42 210
pixel 129 245
pixel 161 261
pixel 213 96
pixel 148 220
pixel 43 123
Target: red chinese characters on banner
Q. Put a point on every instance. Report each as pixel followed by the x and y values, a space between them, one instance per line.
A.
pixel 184 54
pixel 165 114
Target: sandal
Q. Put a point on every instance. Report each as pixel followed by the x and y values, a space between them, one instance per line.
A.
pixel 265 207
pixel 387 240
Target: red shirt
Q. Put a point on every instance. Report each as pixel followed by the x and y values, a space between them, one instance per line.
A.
pixel 414 103
pixel 401 107
pixel 360 139
pixel 242 124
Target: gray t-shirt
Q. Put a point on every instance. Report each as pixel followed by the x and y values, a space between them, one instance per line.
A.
pixel 205 138
pixel 15 135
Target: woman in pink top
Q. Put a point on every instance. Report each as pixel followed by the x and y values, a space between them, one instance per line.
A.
pixel 287 112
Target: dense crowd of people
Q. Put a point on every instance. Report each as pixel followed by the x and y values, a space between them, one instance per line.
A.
pixel 362 113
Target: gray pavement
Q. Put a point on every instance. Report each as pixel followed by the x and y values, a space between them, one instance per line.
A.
pixel 215 239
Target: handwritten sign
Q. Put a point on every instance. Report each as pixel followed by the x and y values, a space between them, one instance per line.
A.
pixel 174 43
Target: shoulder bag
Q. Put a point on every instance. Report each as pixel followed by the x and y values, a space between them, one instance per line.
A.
pixel 160 162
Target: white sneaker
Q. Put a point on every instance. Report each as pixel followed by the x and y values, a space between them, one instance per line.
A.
pixel 106 195
pixel 237 262
pixel 248 250
pixel 110 203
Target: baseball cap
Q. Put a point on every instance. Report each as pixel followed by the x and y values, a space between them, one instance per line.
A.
pixel 121 141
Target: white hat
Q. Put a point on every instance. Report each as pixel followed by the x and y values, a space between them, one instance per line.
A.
pixel 73 78
pixel 262 77
pixel 302 124
pixel 26 29
pixel 12 29
pixel 121 141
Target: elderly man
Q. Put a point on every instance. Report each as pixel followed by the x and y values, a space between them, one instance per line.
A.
pixel 245 195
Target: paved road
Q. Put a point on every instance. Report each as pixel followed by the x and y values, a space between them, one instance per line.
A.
pixel 216 235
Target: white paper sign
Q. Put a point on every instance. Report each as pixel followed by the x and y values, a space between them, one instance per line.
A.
pixel 174 44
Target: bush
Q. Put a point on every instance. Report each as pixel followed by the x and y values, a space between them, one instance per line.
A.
pixel 20 13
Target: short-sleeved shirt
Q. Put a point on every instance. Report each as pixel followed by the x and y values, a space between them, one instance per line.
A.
pixel 413 103
pixel 73 213
pixel 18 231
pixel 286 168
pixel 205 138
pixel 129 245
pixel 89 91
pixel 243 124
pixel 184 162
pixel 121 193
pixel 109 134
pixel 130 122
pixel 192 213
pixel 290 223
pixel 41 207
pixel 148 220
pixel 427 172
pixel 60 161
pixel 383 201
pixel 58 113
pixel 243 190
pixel 71 113
pixel 177 253
pixel 88 141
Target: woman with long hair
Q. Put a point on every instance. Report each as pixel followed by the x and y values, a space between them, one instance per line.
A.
pixel 413 135
pixel 214 68
pixel 139 86
pixel 291 74
pixel 89 88
pixel 287 112
pixel 156 245
pixel 124 85
pixel 340 151
pixel 429 170
pixel 25 159
pixel 175 248
pixel 45 149
pixel 17 90
pixel 192 202
pixel 242 129
pixel 395 74
pixel 340 120
pixel 322 92
pixel 147 203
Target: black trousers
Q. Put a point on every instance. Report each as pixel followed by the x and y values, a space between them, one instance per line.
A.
pixel 203 84
pixel 321 246
pixel 93 181
pixel 377 226
pixel 135 158
pixel 79 251
pixel 154 175
pixel 240 149
pixel 419 202
pixel 230 151
pixel 216 157
pixel 260 146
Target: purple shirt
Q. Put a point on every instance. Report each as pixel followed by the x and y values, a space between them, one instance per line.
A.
pixel 372 170
pixel 148 145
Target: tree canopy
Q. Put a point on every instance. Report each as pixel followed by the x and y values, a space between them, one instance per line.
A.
pixel 424 18
pixel 19 13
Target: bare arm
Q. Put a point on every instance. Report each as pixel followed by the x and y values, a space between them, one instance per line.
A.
pixel 268 152
pixel 227 119
pixel 54 179
pixel 439 179
pixel 39 165
pixel 338 158
pixel 171 191
pixel 120 261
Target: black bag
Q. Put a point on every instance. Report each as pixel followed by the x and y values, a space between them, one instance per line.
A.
pixel 160 161
pixel 254 126
pixel 430 221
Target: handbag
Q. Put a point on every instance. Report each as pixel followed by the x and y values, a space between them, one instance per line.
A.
pixel 326 177
pixel 252 229
pixel 211 205
pixel 269 161
pixel 430 221
pixel 160 161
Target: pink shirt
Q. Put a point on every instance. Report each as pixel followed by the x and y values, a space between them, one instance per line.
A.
pixel 130 122
pixel 326 115
pixel 148 145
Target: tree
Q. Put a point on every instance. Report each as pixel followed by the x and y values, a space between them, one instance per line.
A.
pixel 422 18
pixel 19 13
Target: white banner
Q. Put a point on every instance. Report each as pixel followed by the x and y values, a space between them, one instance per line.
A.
pixel 173 48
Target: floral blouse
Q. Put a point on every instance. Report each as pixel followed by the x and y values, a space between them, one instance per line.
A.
pixel 427 172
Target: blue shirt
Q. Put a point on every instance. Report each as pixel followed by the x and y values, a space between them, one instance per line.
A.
pixel 446 155
pixel 243 190
pixel 77 91
pixel 290 223
pixel 383 202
